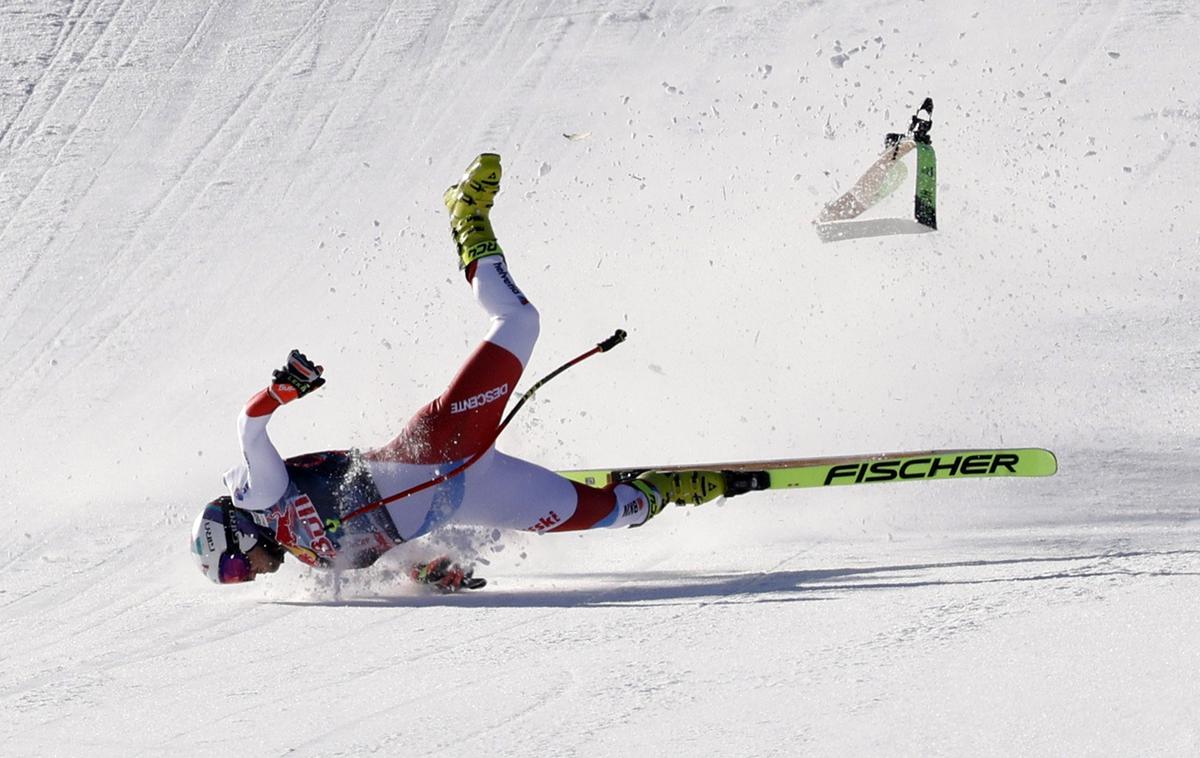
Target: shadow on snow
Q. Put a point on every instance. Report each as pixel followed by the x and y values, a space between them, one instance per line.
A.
pixel 689 588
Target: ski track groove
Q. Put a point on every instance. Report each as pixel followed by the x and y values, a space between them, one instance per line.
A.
pixel 209 14
pixel 98 91
pixel 508 23
pixel 590 599
pixel 242 101
pixel 220 636
pixel 316 138
pixel 1063 42
pixel 549 697
pixel 149 216
pixel 364 47
pixel 349 725
pixel 111 660
pixel 430 66
pixel 199 636
pixel 16 146
pixel 68 139
pixel 170 686
pixel 32 129
pixel 287 54
pixel 29 548
pixel 37 125
pixel 537 63
pixel 1093 50
pixel 404 705
pixel 79 571
pixel 95 174
pixel 432 100
pixel 64 33
pixel 58 335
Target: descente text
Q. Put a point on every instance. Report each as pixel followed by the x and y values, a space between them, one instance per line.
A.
pixel 483 398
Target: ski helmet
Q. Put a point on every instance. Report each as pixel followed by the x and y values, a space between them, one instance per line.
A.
pixel 221 537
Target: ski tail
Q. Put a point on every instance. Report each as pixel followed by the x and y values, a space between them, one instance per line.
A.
pixel 852 469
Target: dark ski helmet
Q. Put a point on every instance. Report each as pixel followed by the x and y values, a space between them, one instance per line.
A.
pixel 222 536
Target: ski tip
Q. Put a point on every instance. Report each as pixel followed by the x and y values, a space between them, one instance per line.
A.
pixel 1038 461
pixel 1051 462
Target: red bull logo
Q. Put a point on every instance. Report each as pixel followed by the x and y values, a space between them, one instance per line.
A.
pixel 307 513
pixel 300 512
pixel 285 525
pixel 304 555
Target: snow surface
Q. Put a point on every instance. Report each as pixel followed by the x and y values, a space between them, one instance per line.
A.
pixel 190 189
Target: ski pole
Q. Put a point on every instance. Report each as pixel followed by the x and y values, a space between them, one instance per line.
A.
pixel 603 347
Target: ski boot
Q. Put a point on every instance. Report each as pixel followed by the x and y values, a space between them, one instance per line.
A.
pixel 679 487
pixel 469 202
pixel 444 575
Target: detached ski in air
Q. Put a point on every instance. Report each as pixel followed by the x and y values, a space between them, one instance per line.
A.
pixel 889 172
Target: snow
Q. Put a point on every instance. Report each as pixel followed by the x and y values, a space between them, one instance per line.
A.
pixel 189 190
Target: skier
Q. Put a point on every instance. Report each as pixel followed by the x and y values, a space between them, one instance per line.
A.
pixel 276 506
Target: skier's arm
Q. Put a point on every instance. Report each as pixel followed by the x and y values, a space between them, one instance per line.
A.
pixel 263 479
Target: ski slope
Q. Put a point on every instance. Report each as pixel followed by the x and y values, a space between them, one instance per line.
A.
pixel 188 190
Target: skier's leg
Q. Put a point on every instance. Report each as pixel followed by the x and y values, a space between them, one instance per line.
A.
pixel 688 487
pixel 515 322
pixel 463 420
pixel 515 494
pixel 511 493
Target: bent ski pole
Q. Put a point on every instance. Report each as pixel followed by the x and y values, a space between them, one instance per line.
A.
pixel 603 347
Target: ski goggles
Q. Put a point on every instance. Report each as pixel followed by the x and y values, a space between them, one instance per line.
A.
pixel 234 568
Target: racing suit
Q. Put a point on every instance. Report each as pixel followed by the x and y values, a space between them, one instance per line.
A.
pixel 302 499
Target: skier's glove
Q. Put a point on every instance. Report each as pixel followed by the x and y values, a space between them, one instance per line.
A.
pixel 298 377
pixel 443 574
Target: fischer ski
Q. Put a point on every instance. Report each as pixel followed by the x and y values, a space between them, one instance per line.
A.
pixel 748 476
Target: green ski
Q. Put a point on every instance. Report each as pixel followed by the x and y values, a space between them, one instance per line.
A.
pixel 925 202
pixel 851 469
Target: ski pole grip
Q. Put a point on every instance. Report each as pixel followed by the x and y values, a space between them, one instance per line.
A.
pixel 608 344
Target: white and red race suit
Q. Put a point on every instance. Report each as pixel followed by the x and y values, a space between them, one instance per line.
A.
pixel 302 498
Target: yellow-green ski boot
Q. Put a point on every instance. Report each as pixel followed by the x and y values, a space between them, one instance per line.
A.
pixel 469 202
pixel 680 487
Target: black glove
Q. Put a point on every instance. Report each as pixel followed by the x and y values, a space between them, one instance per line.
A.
pixel 297 378
pixel 446 575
